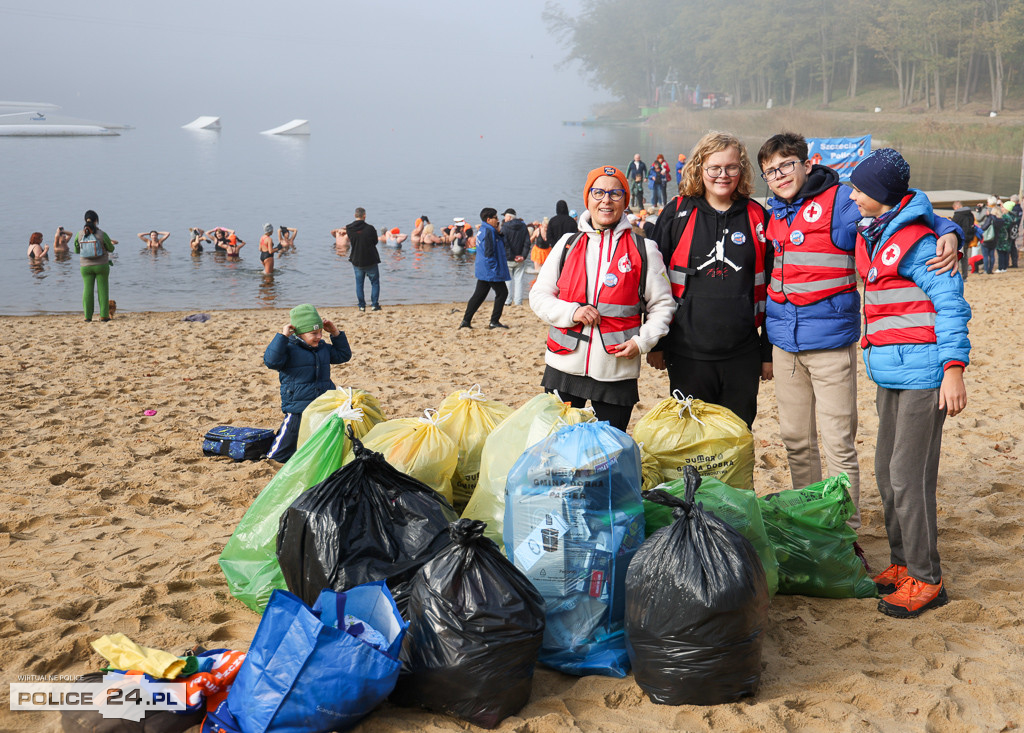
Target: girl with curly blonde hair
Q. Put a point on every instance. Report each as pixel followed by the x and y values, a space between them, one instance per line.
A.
pixel 712 239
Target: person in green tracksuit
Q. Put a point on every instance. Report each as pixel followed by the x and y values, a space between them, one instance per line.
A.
pixel 94 245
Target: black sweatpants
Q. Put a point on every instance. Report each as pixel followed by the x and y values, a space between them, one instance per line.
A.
pixel 482 286
pixel 732 383
pixel 287 439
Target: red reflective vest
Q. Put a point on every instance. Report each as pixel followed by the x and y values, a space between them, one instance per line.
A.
pixel 679 270
pixel 896 310
pixel 618 296
pixel 808 265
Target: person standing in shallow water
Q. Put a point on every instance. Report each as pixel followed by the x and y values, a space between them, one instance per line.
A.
pixel 94 246
pixel 361 239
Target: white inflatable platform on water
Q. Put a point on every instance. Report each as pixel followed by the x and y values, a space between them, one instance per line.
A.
pixel 203 123
pixel 295 127
pixel 36 124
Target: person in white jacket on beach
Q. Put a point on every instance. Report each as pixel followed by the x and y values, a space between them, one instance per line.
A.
pixel 606 302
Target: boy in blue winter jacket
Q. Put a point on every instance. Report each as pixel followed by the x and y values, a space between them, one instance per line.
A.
pixel 915 349
pixel 303 360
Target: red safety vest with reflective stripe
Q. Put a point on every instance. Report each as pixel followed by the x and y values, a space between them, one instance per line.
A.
pixel 896 310
pixel 679 270
pixel 808 265
pixel 618 302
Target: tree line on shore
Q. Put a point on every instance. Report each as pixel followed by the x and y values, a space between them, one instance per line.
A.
pixel 936 55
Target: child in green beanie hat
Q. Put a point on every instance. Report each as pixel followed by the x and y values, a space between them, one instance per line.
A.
pixel 303 361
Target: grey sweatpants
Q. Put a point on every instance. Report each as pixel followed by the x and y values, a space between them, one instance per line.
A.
pixel 907 470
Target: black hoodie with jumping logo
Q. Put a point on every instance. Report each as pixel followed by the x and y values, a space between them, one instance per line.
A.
pixel 715 318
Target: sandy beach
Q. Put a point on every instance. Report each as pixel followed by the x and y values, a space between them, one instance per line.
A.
pixel 111 521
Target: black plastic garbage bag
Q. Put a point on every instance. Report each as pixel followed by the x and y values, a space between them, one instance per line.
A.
pixel 696 608
pixel 366 521
pixel 475 628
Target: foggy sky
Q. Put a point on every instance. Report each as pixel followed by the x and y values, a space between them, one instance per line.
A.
pixel 258 64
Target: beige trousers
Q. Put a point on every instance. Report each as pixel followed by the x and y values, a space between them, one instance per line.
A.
pixel 817 391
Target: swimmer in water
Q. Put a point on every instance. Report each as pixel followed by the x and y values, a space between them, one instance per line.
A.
pixel 154 239
pixel 267 249
pixel 196 239
pixel 226 241
pixel 392 237
pixel 286 237
pixel 36 250
pixel 424 232
pixel 60 240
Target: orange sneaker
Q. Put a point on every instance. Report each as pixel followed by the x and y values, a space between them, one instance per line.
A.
pixel 912 598
pixel 888 579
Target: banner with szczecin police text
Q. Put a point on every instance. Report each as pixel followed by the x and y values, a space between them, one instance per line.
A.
pixel 841 153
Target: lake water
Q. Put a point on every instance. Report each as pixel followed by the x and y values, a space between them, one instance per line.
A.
pixel 166 178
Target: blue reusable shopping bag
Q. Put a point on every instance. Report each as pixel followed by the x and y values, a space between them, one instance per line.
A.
pixel 304 674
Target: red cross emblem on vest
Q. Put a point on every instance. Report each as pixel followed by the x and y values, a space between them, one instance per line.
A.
pixel 812 212
pixel 890 254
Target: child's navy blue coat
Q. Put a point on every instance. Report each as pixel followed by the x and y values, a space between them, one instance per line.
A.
pixel 305 372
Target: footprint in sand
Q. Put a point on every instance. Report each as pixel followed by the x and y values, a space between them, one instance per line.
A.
pixel 59 479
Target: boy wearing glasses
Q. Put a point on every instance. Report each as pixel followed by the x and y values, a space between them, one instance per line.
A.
pixel 813 309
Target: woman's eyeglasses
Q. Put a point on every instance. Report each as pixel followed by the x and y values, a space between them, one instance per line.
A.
pixel 614 194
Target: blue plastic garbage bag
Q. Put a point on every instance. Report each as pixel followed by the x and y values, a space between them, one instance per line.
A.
pixel 306 672
pixel 574 518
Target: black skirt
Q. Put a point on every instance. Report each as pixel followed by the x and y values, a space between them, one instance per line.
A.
pixel 624 392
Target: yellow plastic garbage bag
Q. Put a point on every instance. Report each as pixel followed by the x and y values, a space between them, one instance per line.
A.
pixel 362 411
pixel 471 418
pixel 542 416
pixel 650 470
pixel 681 430
pixel 418 447
pixel 125 654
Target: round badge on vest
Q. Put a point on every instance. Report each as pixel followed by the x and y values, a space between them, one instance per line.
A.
pixel 812 212
pixel 611 279
pixel 797 237
pixel 738 237
pixel 624 264
pixel 872 274
pixel 890 254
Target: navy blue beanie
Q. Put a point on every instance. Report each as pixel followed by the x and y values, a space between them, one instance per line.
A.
pixel 884 176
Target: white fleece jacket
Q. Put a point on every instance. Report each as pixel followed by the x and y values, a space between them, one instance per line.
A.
pixel 590 359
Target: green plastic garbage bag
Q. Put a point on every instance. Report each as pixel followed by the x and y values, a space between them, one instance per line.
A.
pixel 813 544
pixel 738 508
pixel 249 559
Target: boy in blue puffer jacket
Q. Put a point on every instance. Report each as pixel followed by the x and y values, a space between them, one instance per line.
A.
pixel 915 349
pixel 303 360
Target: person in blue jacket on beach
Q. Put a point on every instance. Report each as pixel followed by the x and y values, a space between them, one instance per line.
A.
pixel 813 310
pixel 491 268
pixel 303 362
pixel 915 349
